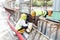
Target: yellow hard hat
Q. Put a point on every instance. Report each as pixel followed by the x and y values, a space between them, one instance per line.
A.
pixel 23 16
pixel 33 13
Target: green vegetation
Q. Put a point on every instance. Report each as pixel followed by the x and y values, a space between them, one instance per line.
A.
pixel 50 3
pixel 42 3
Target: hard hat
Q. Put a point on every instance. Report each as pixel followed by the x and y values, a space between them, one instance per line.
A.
pixel 33 13
pixel 23 16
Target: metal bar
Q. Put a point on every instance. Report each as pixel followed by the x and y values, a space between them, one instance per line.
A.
pixel 45 28
pixel 34 36
pixel 42 26
pixel 56 32
pixel 39 25
pixel 39 37
pixel 41 33
pixel 50 31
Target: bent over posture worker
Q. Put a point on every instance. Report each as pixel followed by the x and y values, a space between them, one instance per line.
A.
pixel 21 24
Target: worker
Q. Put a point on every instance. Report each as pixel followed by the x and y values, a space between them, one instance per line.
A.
pixel 41 13
pixel 21 24
pixel 32 17
pixel 30 20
